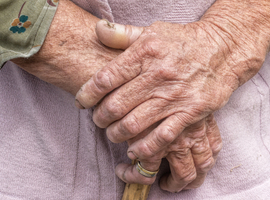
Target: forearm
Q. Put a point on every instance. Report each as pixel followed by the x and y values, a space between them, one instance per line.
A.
pixel 71 52
pixel 243 25
pixel 24 25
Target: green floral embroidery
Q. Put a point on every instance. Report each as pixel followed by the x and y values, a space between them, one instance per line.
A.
pixel 21 23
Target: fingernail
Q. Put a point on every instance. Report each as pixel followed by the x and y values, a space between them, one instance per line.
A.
pixel 109 24
pixel 131 155
pixel 78 104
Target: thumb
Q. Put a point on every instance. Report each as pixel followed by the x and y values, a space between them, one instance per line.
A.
pixel 117 36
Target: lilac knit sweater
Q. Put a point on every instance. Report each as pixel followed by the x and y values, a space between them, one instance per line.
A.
pixel 51 150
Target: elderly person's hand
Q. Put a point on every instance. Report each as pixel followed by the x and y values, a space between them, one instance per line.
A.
pixel 190 157
pixel 70 56
pixel 178 74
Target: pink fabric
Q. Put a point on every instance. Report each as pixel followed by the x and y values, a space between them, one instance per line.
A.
pixel 51 150
pixel 99 8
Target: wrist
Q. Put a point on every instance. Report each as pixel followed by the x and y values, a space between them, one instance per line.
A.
pixel 244 27
pixel 71 52
pixel 246 19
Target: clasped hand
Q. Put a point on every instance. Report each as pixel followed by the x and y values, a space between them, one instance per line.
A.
pixel 161 93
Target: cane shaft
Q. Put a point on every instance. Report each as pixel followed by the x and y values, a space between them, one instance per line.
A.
pixel 136 191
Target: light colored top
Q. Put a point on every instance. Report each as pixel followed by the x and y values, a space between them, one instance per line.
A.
pixel 51 150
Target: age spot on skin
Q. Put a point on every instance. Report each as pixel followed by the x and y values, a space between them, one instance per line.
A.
pixel 62 43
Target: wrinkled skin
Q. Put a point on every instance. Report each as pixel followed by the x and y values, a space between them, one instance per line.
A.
pixel 69 59
pixel 177 75
pixel 190 156
pixel 70 55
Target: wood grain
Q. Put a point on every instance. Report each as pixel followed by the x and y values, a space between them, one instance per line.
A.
pixel 136 191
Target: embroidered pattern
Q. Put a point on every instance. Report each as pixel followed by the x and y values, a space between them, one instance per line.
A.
pixel 21 23
pixel 52 2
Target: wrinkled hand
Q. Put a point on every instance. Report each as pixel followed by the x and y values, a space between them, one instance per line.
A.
pixel 176 74
pixel 190 157
pixel 62 62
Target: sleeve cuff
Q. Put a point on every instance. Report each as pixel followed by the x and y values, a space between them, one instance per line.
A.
pixel 26 28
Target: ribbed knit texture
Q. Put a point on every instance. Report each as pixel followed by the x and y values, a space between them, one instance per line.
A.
pixel 99 8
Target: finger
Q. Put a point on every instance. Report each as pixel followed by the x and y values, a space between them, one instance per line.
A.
pixel 137 91
pixel 117 36
pixel 202 156
pixel 213 135
pixel 205 152
pixel 162 136
pixel 129 173
pixel 135 122
pixel 111 76
pixel 121 101
pixel 106 80
pixel 142 134
pixel 194 139
pixel 182 171
pixel 201 150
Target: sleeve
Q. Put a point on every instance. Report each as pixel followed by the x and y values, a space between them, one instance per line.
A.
pixel 24 25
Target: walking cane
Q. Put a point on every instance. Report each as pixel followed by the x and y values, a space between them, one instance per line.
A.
pixel 136 191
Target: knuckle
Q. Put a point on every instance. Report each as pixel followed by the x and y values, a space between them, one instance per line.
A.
pixel 131 125
pixel 190 176
pixel 186 174
pixel 114 138
pixel 205 166
pixel 114 109
pixel 166 135
pixel 103 81
pixel 146 151
pixel 151 46
pixel 183 152
pixel 201 148
pixel 166 73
